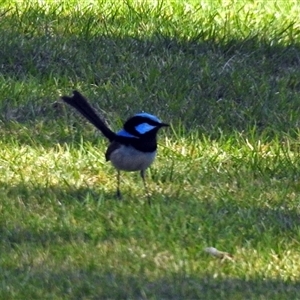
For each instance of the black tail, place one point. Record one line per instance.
(81, 104)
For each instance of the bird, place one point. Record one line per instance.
(133, 148)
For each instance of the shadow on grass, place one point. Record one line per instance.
(94, 283)
(68, 193)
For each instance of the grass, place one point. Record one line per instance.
(225, 74)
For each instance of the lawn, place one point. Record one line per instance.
(225, 75)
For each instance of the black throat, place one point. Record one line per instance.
(145, 143)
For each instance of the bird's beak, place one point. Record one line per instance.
(164, 125)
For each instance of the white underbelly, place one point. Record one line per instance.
(127, 158)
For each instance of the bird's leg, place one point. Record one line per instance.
(119, 195)
(145, 185)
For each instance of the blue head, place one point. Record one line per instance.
(141, 124)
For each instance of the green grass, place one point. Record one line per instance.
(225, 74)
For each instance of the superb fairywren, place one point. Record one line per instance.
(133, 148)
